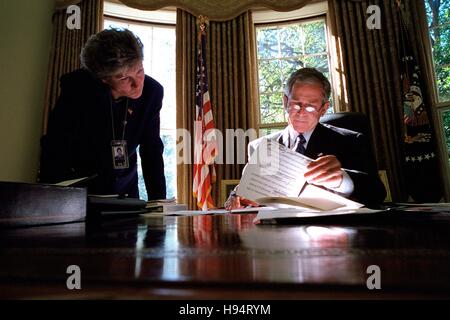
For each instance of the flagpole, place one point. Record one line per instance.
(205, 149)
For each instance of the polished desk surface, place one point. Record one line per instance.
(225, 257)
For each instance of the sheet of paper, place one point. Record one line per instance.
(212, 211)
(273, 170)
(68, 183)
(294, 213)
(325, 200)
(242, 210)
(177, 213)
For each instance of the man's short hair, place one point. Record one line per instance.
(308, 75)
(110, 51)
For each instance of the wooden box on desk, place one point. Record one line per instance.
(27, 204)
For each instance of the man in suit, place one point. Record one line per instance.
(342, 161)
(107, 105)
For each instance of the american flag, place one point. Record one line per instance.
(422, 175)
(205, 145)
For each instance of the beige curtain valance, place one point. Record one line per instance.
(217, 10)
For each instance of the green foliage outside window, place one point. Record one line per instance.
(282, 49)
(438, 15)
(446, 121)
(169, 165)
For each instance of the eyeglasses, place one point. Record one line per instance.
(296, 107)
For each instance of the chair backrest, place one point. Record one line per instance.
(354, 121)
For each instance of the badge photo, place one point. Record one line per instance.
(120, 154)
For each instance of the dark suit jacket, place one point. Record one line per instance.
(78, 141)
(353, 151)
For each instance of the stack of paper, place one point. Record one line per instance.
(164, 206)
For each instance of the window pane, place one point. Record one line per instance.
(291, 41)
(320, 62)
(170, 167)
(443, 83)
(272, 108)
(446, 121)
(315, 41)
(270, 77)
(170, 163)
(268, 43)
(289, 66)
(438, 15)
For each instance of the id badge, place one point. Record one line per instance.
(119, 154)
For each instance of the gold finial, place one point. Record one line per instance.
(202, 22)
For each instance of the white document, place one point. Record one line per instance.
(177, 213)
(273, 170)
(302, 213)
(211, 211)
(274, 177)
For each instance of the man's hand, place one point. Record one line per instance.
(325, 171)
(236, 202)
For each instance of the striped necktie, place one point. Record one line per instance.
(300, 141)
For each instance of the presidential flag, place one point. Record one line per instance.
(421, 163)
(205, 145)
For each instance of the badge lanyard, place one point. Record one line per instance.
(119, 147)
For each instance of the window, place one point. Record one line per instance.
(159, 63)
(283, 48)
(438, 16)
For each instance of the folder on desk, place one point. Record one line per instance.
(104, 206)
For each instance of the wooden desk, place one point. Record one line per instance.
(225, 257)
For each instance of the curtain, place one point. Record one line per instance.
(67, 44)
(231, 59)
(369, 75)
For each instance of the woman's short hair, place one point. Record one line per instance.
(110, 51)
(308, 75)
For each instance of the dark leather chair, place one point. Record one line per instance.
(354, 121)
